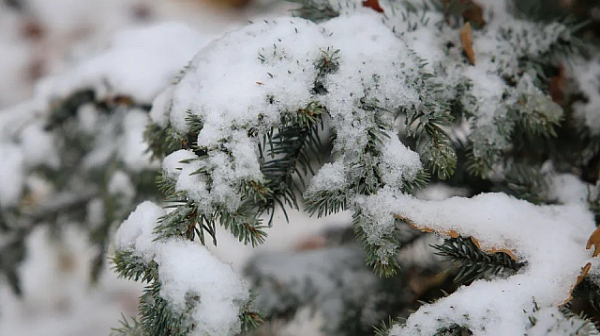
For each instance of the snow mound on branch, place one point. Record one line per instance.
(248, 80)
(549, 239)
(186, 270)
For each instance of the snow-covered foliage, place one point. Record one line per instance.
(354, 107)
(75, 153)
(193, 281)
(541, 236)
(356, 73)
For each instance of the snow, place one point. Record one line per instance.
(398, 163)
(227, 85)
(133, 150)
(586, 75)
(541, 236)
(138, 63)
(172, 164)
(331, 176)
(253, 77)
(120, 184)
(38, 147)
(187, 270)
(567, 189)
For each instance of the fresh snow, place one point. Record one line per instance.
(187, 269)
(252, 77)
(541, 236)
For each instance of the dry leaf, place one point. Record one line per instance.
(373, 4)
(467, 42)
(311, 243)
(584, 272)
(556, 85)
(473, 13)
(594, 240)
(510, 253)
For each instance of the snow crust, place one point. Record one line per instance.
(187, 271)
(543, 237)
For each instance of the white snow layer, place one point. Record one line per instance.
(586, 75)
(251, 77)
(187, 269)
(549, 239)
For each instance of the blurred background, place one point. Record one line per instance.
(61, 295)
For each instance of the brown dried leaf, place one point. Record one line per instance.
(467, 42)
(373, 4)
(594, 240)
(556, 85)
(473, 13)
(584, 272)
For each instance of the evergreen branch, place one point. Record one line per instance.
(250, 318)
(472, 262)
(133, 267)
(381, 257)
(385, 327)
(289, 149)
(427, 125)
(67, 108)
(157, 318)
(164, 141)
(244, 225)
(589, 291)
(128, 328)
(525, 182)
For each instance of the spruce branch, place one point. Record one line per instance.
(381, 256)
(133, 267)
(427, 123)
(474, 263)
(286, 154)
(127, 328)
(156, 316)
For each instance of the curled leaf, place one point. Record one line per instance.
(467, 42)
(373, 4)
(594, 240)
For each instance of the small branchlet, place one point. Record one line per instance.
(381, 256)
(473, 263)
(127, 328)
